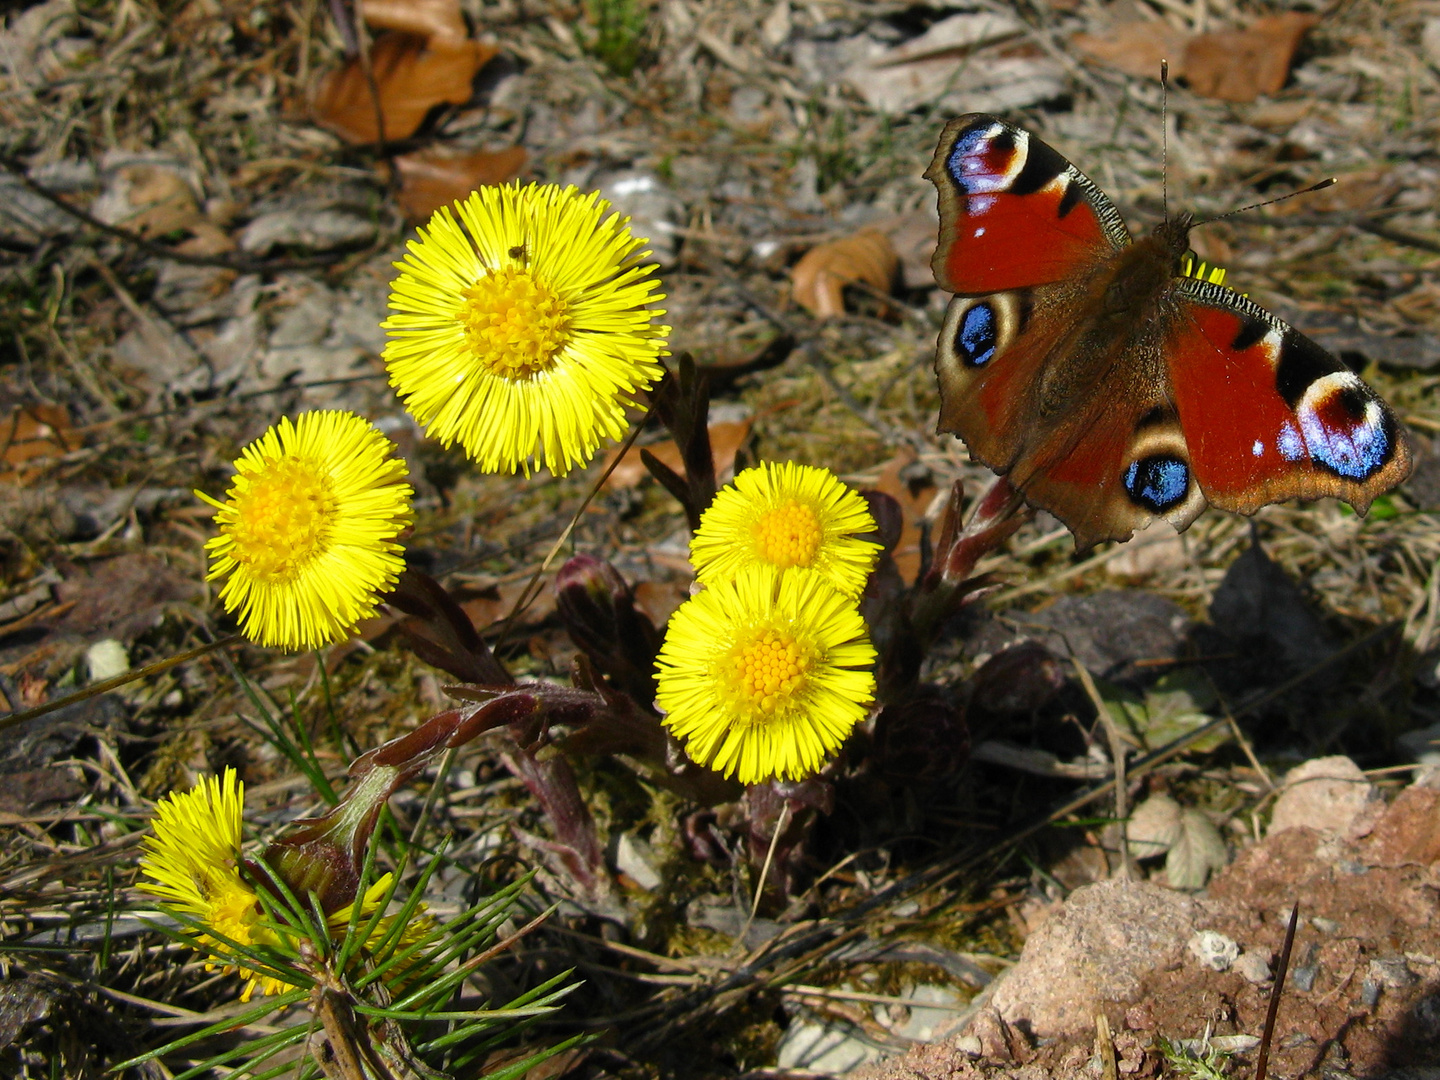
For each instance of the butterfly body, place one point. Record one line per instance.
(1110, 387)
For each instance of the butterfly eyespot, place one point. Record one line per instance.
(1158, 482)
(1344, 428)
(978, 334)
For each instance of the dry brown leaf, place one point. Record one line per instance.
(818, 279)
(1136, 48)
(423, 18)
(914, 500)
(726, 438)
(432, 178)
(412, 76)
(36, 431)
(162, 200)
(1240, 65)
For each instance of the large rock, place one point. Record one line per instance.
(1097, 947)
(1328, 794)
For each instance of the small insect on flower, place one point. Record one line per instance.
(192, 859)
(309, 528)
(520, 324)
(765, 675)
(783, 515)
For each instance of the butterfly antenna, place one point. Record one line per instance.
(1327, 182)
(1165, 137)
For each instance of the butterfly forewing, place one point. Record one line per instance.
(1013, 212)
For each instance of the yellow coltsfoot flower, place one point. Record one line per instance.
(521, 324)
(783, 515)
(764, 675)
(192, 859)
(308, 529)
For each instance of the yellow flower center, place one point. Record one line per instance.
(515, 323)
(232, 906)
(282, 519)
(788, 535)
(769, 669)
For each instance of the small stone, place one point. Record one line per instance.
(1393, 974)
(634, 858)
(106, 659)
(969, 1044)
(1325, 926)
(1214, 950)
(1252, 968)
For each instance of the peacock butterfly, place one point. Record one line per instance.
(1109, 385)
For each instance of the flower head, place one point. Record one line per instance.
(758, 674)
(783, 515)
(192, 859)
(308, 529)
(519, 329)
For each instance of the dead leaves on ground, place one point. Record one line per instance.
(423, 57)
(1230, 65)
(433, 178)
(818, 280)
(412, 76)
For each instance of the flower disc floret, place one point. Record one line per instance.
(787, 515)
(765, 675)
(309, 528)
(521, 324)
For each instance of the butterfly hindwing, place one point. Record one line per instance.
(1013, 212)
(1268, 414)
(1105, 466)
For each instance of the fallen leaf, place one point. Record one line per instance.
(121, 597)
(432, 178)
(915, 497)
(412, 76)
(1154, 827)
(939, 68)
(1136, 48)
(157, 201)
(819, 278)
(1240, 65)
(726, 438)
(36, 431)
(1197, 852)
(423, 18)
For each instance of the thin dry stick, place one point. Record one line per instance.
(118, 681)
(1110, 1069)
(531, 590)
(780, 824)
(1262, 1062)
(1117, 758)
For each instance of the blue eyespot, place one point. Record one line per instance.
(976, 340)
(1158, 482)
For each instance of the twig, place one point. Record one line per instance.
(780, 823)
(1262, 1062)
(239, 264)
(118, 681)
(528, 594)
(1105, 1041)
(1117, 760)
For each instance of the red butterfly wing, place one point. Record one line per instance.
(1013, 212)
(1269, 415)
